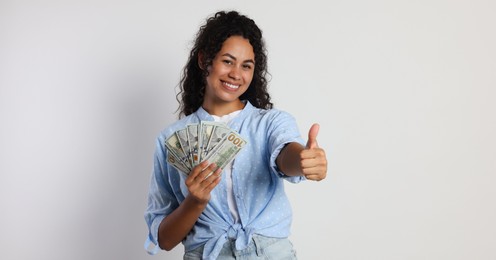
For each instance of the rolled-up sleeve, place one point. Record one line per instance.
(281, 131)
(161, 199)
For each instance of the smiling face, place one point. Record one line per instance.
(229, 76)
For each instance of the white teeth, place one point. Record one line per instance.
(231, 85)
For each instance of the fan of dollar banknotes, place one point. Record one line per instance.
(211, 141)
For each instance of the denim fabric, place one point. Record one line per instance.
(260, 247)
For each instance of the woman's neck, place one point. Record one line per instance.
(223, 109)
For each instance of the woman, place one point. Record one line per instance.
(242, 209)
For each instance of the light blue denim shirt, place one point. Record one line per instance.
(258, 185)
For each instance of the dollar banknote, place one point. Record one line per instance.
(219, 132)
(226, 150)
(174, 161)
(182, 136)
(206, 129)
(212, 133)
(192, 131)
(174, 147)
(211, 141)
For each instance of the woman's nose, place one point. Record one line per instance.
(235, 73)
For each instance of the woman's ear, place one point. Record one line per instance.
(200, 60)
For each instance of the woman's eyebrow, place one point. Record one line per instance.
(234, 58)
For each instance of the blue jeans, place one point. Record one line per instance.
(260, 247)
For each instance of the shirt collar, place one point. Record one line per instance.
(203, 115)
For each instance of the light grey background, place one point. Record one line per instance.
(404, 92)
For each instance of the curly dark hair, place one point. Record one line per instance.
(209, 40)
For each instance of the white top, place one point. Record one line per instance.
(228, 170)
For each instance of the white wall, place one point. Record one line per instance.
(404, 92)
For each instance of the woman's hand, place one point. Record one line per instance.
(313, 158)
(309, 161)
(202, 180)
(176, 226)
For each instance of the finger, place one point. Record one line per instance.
(315, 177)
(208, 182)
(207, 172)
(213, 180)
(314, 162)
(313, 153)
(319, 169)
(197, 170)
(312, 136)
(317, 172)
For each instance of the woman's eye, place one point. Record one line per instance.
(247, 66)
(227, 62)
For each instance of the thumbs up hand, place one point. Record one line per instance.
(312, 136)
(313, 158)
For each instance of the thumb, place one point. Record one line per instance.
(312, 136)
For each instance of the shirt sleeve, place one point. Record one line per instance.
(161, 199)
(282, 130)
